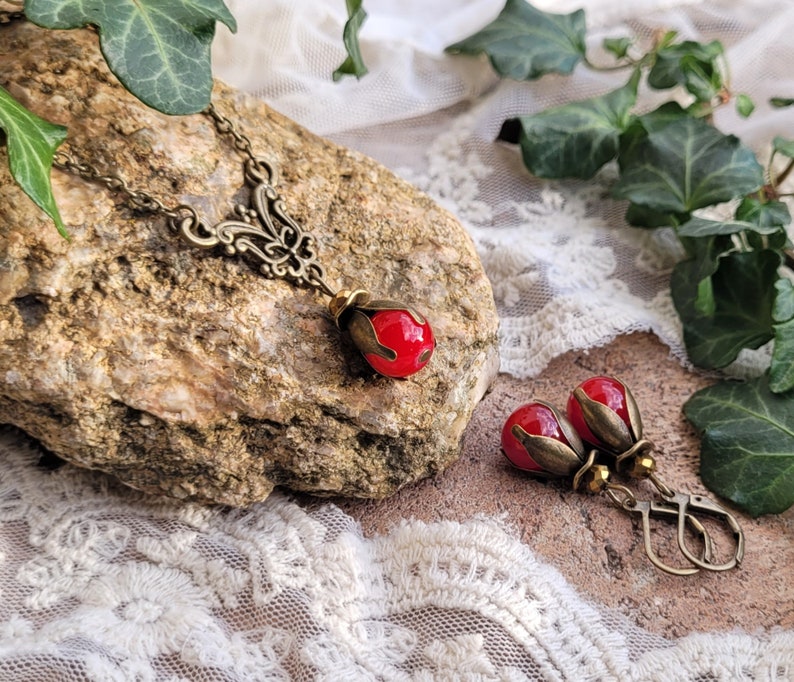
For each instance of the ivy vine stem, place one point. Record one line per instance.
(781, 177)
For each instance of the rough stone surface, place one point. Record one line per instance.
(185, 372)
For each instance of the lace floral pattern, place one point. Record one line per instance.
(103, 583)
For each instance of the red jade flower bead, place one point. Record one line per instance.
(411, 341)
(612, 394)
(558, 451)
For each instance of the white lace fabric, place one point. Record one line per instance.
(103, 583)
(98, 582)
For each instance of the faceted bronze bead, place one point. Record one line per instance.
(596, 478)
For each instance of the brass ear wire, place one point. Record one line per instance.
(596, 478)
(642, 465)
(631, 455)
(707, 506)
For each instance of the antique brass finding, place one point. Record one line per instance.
(539, 439)
(596, 478)
(621, 440)
(263, 231)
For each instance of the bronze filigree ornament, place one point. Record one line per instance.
(395, 340)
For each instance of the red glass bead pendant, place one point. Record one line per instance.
(412, 343)
(538, 439)
(394, 339)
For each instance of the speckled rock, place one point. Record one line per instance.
(186, 372)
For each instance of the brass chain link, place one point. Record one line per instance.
(137, 199)
(143, 200)
(286, 252)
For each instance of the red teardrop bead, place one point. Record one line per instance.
(604, 390)
(411, 341)
(537, 420)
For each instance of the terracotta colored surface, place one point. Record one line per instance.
(597, 547)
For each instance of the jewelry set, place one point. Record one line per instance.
(397, 341)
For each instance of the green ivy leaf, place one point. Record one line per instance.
(691, 279)
(690, 64)
(784, 300)
(525, 43)
(781, 370)
(763, 213)
(744, 106)
(636, 132)
(702, 227)
(160, 51)
(783, 146)
(354, 64)
(642, 216)
(685, 165)
(617, 46)
(575, 140)
(741, 315)
(31, 142)
(772, 215)
(661, 117)
(747, 446)
(781, 102)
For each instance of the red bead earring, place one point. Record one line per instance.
(602, 412)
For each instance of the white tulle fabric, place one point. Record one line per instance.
(98, 582)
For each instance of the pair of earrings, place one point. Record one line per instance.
(602, 412)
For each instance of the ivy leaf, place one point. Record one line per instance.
(691, 279)
(743, 295)
(763, 213)
(690, 64)
(31, 142)
(781, 102)
(685, 165)
(617, 46)
(354, 64)
(772, 215)
(525, 43)
(661, 117)
(575, 140)
(747, 446)
(160, 51)
(784, 300)
(642, 216)
(781, 370)
(744, 106)
(702, 227)
(783, 146)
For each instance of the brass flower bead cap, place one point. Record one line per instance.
(605, 414)
(393, 338)
(539, 439)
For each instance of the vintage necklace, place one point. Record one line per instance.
(395, 339)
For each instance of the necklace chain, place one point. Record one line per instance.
(282, 247)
